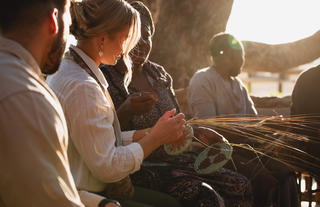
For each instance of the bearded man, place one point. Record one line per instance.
(33, 133)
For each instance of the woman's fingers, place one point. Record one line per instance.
(178, 119)
(179, 123)
(167, 115)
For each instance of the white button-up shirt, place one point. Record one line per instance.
(95, 158)
(33, 136)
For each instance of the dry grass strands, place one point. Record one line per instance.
(286, 140)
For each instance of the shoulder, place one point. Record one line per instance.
(113, 75)
(201, 76)
(18, 77)
(72, 80)
(110, 71)
(310, 75)
(158, 72)
(308, 80)
(306, 93)
(240, 83)
(36, 106)
(307, 84)
(155, 69)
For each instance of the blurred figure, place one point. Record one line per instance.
(216, 90)
(306, 104)
(33, 132)
(101, 156)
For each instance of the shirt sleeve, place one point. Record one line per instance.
(33, 158)
(127, 137)
(201, 99)
(90, 118)
(90, 199)
(250, 108)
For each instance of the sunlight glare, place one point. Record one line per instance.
(71, 41)
(274, 21)
(306, 204)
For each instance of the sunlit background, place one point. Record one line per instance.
(71, 41)
(271, 21)
(274, 21)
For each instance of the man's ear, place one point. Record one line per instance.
(212, 61)
(54, 26)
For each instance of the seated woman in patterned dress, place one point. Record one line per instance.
(139, 106)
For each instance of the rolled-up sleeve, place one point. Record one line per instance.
(250, 108)
(127, 137)
(90, 117)
(90, 199)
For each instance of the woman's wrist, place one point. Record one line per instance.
(139, 134)
(106, 201)
(147, 131)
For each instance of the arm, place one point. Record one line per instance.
(33, 158)
(125, 115)
(91, 117)
(170, 89)
(168, 129)
(93, 200)
(135, 104)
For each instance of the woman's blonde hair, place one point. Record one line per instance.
(91, 18)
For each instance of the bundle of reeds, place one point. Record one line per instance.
(285, 139)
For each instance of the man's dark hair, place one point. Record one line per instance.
(15, 14)
(221, 42)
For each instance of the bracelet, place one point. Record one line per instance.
(147, 132)
(105, 201)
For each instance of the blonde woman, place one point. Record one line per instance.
(99, 152)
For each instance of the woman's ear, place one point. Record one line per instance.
(54, 26)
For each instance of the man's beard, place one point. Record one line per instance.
(54, 57)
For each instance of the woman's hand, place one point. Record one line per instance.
(139, 103)
(168, 128)
(135, 104)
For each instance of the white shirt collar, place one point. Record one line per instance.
(92, 65)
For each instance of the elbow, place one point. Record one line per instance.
(107, 173)
(117, 166)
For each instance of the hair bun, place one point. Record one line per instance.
(79, 23)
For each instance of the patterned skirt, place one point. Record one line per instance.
(175, 176)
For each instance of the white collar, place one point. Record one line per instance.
(92, 65)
